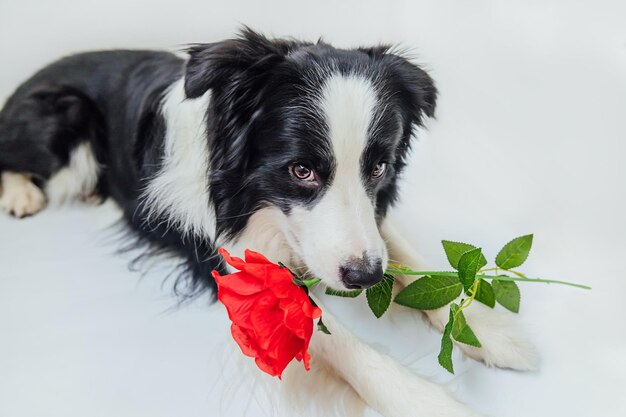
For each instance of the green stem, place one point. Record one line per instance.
(468, 301)
(484, 276)
(524, 279)
(496, 269)
(431, 273)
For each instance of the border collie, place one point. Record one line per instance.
(289, 148)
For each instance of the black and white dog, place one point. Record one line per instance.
(289, 148)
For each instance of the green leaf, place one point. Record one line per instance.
(454, 251)
(445, 354)
(485, 294)
(469, 264)
(507, 294)
(430, 292)
(343, 293)
(514, 253)
(322, 327)
(379, 296)
(310, 282)
(461, 332)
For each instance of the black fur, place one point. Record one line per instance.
(112, 99)
(259, 121)
(261, 89)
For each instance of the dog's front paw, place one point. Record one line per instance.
(20, 197)
(503, 344)
(399, 393)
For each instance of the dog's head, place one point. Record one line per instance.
(318, 134)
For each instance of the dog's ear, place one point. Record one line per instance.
(237, 72)
(239, 63)
(411, 84)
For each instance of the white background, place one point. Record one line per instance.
(530, 137)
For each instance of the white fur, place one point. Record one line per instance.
(382, 382)
(78, 179)
(503, 344)
(318, 392)
(379, 380)
(340, 358)
(179, 192)
(266, 232)
(342, 224)
(338, 227)
(19, 196)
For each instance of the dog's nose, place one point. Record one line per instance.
(361, 274)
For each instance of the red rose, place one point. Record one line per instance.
(272, 316)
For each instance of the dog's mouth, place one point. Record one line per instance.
(343, 261)
(354, 274)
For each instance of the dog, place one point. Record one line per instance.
(290, 148)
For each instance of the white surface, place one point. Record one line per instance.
(530, 137)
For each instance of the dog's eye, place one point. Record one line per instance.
(303, 173)
(379, 170)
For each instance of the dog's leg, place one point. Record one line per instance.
(503, 345)
(382, 382)
(20, 197)
(48, 134)
(78, 179)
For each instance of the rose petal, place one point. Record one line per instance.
(268, 367)
(272, 317)
(280, 281)
(246, 343)
(255, 257)
(307, 359)
(283, 347)
(238, 306)
(293, 318)
(260, 270)
(233, 261)
(239, 282)
(311, 311)
(265, 317)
